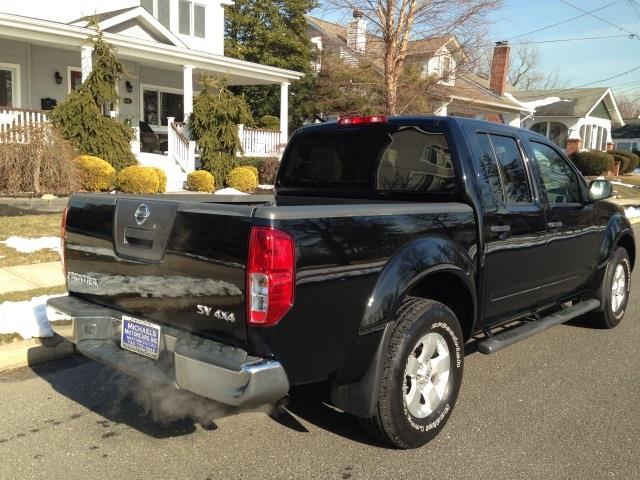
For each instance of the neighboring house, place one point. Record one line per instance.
(456, 93)
(572, 118)
(163, 44)
(627, 137)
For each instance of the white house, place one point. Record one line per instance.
(573, 118)
(164, 46)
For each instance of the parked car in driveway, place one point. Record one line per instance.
(389, 243)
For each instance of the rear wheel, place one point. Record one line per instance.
(421, 376)
(614, 291)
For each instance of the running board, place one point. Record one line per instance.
(502, 340)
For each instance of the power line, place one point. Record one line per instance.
(560, 40)
(601, 19)
(563, 21)
(601, 80)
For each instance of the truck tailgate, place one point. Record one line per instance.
(176, 263)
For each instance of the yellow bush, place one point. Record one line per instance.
(253, 169)
(244, 179)
(200, 181)
(162, 179)
(96, 175)
(137, 179)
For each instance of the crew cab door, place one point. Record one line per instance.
(573, 233)
(514, 225)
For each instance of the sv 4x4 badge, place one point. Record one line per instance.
(219, 314)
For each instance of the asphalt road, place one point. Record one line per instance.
(564, 404)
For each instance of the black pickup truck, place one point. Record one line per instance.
(388, 245)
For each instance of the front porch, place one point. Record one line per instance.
(41, 62)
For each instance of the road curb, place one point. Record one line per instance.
(33, 352)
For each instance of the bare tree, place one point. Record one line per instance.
(629, 105)
(397, 22)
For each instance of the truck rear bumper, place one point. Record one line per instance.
(211, 369)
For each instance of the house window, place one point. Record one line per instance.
(157, 105)
(191, 18)
(74, 76)
(623, 146)
(555, 131)
(9, 85)
(446, 69)
(159, 9)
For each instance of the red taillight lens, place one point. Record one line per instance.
(270, 275)
(63, 239)
(345, 121)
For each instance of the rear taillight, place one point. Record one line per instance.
(270, 275)
(63, 239)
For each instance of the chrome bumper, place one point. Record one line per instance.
(211, 369)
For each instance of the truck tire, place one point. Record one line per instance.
(421, 376)
(614, 291)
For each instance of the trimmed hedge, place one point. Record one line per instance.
(630, 160)
(96, 175)
(162, 179)
(200, 181)
(137, 179)
(592, 162)
(244, 179)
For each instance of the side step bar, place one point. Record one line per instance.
(502, 340)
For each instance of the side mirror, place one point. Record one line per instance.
(600, 189)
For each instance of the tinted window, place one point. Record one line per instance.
(502, 165)
(560, 181)
(384, 158)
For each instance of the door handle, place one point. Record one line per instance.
(554, 224)
(500, 228)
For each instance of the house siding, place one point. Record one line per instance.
(45, 62)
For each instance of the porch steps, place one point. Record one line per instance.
(175, 176)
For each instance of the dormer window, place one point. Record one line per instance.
(191, 19)
(159, 9)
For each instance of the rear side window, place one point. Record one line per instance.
(382, 158)
(503, 166)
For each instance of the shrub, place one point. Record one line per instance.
(162, 179)
(243, 179)
(96, 175)
(200, 181)
(268, 170)
(137, 179)
(592, 162)
(630, 162)
(37, 159)
(269, 122)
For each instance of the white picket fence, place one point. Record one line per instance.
(257, 142)
(15, 123)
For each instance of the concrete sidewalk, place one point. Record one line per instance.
(28, 277)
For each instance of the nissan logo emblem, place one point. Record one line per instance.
(142, 213)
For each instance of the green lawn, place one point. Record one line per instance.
(28, 226)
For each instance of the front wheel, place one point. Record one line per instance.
(614, 291)
(421, 376)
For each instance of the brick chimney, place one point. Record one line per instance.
(357, 32)
(499, 68)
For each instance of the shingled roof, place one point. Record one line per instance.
(631, 129)
(577, 102)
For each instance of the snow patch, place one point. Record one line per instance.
(266, 187)
(535, 103)
(30, 245)
(632, 212)
(27, 318)
(229, 191)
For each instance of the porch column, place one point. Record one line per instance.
(187, 80)
(86, 62)
(284, 112)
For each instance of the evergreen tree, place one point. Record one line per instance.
(273, 33)
(214, 125)
(80, 117)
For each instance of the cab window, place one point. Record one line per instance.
(559, 179)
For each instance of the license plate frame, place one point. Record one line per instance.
(141, 337)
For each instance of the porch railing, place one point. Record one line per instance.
(181, 149)
(257, 142)
(16, 122)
